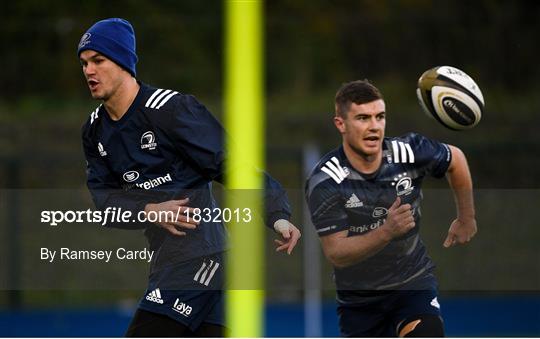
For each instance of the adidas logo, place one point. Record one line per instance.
(353, 202)
(155, 296)
(101, 149)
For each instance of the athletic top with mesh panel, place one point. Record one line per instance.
(342, 199)
(166, 146)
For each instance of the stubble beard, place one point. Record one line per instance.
(363, 154)
(98, 96)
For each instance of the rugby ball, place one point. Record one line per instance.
(451, 97)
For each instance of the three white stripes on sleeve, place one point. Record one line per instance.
(156, 101)
(403, 149)
(334, 170)
(159, 98)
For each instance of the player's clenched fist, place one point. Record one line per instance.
(399, 221)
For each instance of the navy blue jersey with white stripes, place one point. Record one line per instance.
(166, 146)
(340, 198)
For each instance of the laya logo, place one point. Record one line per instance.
(85, 40)
(131, 176)
(379, 212)
(148, 141)
(101, 150)
(182, 308)
(403, 184)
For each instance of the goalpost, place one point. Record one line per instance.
(244, 121)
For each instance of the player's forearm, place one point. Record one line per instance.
(276, 202)
(352, 250)
(459, 178)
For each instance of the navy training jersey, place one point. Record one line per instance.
(342, 199)
(166, 146)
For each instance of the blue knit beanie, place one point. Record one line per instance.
(113, 38)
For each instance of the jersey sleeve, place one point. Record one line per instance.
(325, 205)
(432, 156)
(276, 201)
(199, 137)
(105, 190)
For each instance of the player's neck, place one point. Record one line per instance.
(363, 163)
(118, 104)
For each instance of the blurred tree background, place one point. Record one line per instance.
(312, 47)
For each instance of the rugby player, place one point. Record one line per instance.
(364, 200)
(157, 150)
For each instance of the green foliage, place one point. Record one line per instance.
(311, 48)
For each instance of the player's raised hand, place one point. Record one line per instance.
(289, 233)
(399, 220)
(460, 232)
(171, 215)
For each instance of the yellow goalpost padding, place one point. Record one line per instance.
(244, 122)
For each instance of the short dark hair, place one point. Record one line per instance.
(359, 92)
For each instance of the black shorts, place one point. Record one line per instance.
(191, 293)
(148, 324)
(383, 317)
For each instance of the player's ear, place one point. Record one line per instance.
(340, 124)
